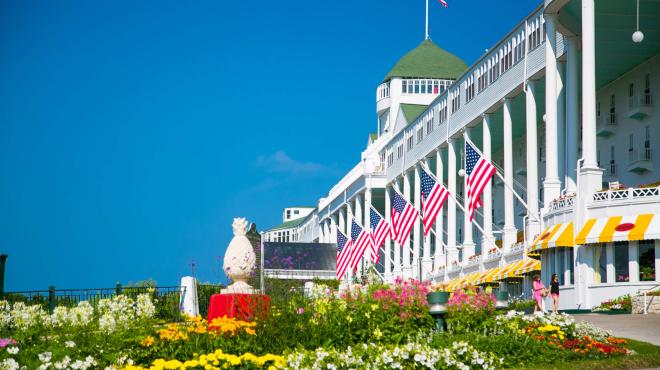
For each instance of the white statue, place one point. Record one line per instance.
(239, 260)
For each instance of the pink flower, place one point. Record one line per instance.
(300, 311)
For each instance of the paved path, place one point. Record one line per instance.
(640, 327)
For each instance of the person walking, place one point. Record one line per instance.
(539, 291)
(554, 292)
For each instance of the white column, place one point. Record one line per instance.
(357, 207)
(328, 231)
(333, 229)
(427, 261)
(367, 222)
(439, 257)
(561, 122)
(533, 225)
(551, 185)
(451, 204)
(417, 234)
(398, 251)
(388, 242)
(347, 231)
(488, 190)
(588, 85)
(407, 267)
(657, 260)
(468, 243)
(509, 230)
(633, 261)
(572, 112)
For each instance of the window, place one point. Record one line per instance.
(399, 151)
(571, 266)
(621, 272)
(435, 87)
(631, 90)
(646, 260)
(410, 86)
(420, 134)
(404, 86)
(288, 213)
(612, 161)
(600, 264)
(612, 109)
(416, 86)
(647, 89)
(631, 143)
(598, 109)
(390, 159)
(410, 142)
(423, 86)
(429, 125)
(598, 157)
(296, 212)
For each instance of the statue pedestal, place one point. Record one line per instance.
(238, 305)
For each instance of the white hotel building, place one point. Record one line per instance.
(564, 106)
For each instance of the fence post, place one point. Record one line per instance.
(51, 298)
(118, 289)
(3, 261)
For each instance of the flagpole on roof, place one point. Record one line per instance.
(426, 34)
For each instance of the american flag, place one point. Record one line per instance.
(361, 241)
(343, 253)
(479, 171)
(434, 195)
(380, 230)
(444, 3)
(404, 216)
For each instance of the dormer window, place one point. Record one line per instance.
(404, 86)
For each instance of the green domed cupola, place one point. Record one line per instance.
(428, 61)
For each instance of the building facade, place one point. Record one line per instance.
(563, 106)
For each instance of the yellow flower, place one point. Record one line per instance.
(147, 342)
(374, 307)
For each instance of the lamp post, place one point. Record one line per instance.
(501, 300)
(437, 302)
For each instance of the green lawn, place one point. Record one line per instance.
(647, 356)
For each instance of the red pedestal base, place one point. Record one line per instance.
(240, 306)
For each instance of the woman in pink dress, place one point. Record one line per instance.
(538, 292)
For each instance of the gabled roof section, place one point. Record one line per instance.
(289, 224)
(427, 60)
(412, 111)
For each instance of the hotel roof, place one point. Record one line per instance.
(427, 60)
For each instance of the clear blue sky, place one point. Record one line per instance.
(132, 132)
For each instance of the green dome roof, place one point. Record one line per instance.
(428, 60)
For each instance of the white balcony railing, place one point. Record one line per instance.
(624, 195)
(562, 203)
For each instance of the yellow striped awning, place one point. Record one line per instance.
(451, 284)
(619, 228)
(487, 276)
(468, 280)
(530, 265)
(508, 270)
(559, 235)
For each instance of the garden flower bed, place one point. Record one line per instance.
(364, 326)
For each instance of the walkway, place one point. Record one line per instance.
(640, 327)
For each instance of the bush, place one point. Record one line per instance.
(623, 303)
(469, 311)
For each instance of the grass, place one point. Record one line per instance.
(647, 356)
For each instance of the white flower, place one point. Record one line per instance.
(45, 357)
(9, 364)
(70, 344)
(12, 350)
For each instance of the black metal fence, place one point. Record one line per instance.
(166, 299)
